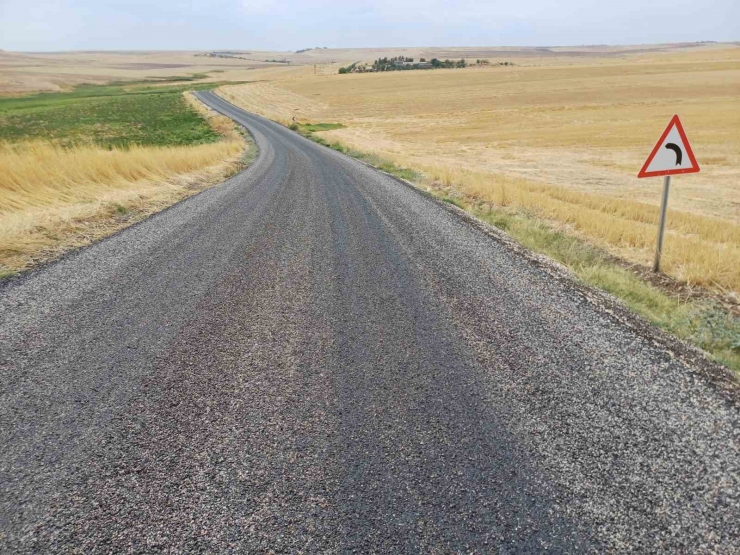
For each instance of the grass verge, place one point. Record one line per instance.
(308, 130)
(703, 323)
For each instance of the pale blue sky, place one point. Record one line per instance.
(33, 25)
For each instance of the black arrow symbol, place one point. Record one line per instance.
(677, 149)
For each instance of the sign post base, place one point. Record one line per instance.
(661, 224)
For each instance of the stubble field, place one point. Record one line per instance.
(561, 136)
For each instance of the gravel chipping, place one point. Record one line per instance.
(316, 358)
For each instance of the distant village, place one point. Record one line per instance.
(401, 63)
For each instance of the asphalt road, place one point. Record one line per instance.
(314, 357)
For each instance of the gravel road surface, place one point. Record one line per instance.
(314, 357)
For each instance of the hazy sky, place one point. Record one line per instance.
(290, 24)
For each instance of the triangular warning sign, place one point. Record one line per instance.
(672, 154)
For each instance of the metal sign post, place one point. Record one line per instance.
(671, 155)
(661, 224)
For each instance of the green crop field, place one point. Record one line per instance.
(116, 115)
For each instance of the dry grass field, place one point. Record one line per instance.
(24, 72)
(53, 198)
(561, 134)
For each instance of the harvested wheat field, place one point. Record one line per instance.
(560, 135)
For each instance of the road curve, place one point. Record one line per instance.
(314, 357)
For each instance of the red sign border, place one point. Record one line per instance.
(690, 153)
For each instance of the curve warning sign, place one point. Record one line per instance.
(672, 154)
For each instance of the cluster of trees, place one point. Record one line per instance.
(486, 62)
(348, 69)
(233, 55)
(449, 63)
(400, 63)
(390, 64)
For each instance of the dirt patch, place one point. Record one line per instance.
(730, 300)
